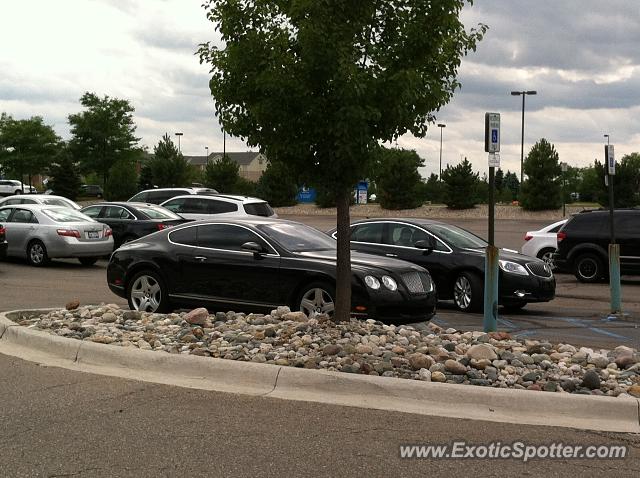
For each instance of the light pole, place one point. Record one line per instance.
(178, 135)
(523, 93)
(441, 126)
(206, 149)
(607, 136)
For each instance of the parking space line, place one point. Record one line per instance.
(596, 329)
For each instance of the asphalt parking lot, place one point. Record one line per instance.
(578, 315)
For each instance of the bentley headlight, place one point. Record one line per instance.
(372, 282)
(389, 283)
(513, 268)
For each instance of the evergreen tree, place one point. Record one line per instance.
(64, 176)
(277, 185)
(460, 186)
(398, 180)
(512, 183)
(222, 175)
(626, 182)
(542, 189)
(168, 167)
(433, 190)
(499, 180)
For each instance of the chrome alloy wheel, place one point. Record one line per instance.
(146, 294)
(317, 301)
(36, 253)
(462, 292)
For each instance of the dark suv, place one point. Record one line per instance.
(584, 240)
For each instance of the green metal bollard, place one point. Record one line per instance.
(491, 289)
(614, 278)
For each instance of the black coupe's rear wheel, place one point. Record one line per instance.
(146, 292)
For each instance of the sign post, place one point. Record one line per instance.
(564, 167)
(614, 249)
(491, 146)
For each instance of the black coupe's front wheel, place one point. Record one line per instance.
(146, 292)
(468, 295)
(316, 299)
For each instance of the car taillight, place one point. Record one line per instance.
(561, 236)
(108, 232)
(69, 233)
(3, 231)
(163, 226)
(528, 237)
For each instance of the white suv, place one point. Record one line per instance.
(204, 207)
(11, 186)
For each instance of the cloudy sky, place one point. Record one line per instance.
(581, 56)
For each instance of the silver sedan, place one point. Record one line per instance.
(39, 232)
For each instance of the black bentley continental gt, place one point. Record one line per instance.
(257, 264)
(455, 259)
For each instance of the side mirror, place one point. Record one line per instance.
(428, 245)
(253, 247)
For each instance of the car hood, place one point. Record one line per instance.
(364, 262)
(505, 254)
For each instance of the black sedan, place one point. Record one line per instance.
(455, 258)
(130, 221)
(259, 263)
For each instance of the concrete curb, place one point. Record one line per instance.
(289, 383)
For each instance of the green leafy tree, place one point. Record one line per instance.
(542, 189)
(277, 185)
(244, 187)
(398, 180)
(122, 182)
(482, 189)
(222, 175)
(168, 166)
(145, 180)
(318, 83)
(64, 175)
(103, 134)
(591, 184)
(461, 185)
(27, 146)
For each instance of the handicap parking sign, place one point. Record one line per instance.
(494, 135)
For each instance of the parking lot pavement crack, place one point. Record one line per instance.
(275, 384)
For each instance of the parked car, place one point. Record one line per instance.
(542, 243)
(92, 190)
(130, 221)
(48, 199)
(197, 207)
(584, 240)
(39, 232)
(158, 196)
(258, 264)
(455, 258)
(3, 242)
(11, 186)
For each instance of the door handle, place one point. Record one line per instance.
(391, 255)
(200, 258)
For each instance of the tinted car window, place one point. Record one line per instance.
(140, 197)
(220, 207)
(92, 211)
(113, 212)
(368, 233)
(186, 236)
(298, 237)
(195, 206)
(258, 209)
(157, 197)
(224, 236)
(556, 229)
(587, 223)
(157, 212)
(175, 205)
(13, 201)
(627, 223)
(23, 216)
(457, 236)
(407, 235)
(4, 214)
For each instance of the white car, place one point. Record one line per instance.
(543, 243)
(39, 232)
(204, 207)
(11, 186)
(48, 199)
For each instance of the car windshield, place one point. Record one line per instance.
(298, 237)
(457, 236)
(157, 212)
(66, 215)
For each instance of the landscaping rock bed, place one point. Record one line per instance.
(367, 347)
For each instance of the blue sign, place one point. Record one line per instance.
(494, 135)
(306, 195)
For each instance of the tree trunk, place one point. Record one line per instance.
(343, 273)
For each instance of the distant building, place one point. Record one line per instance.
(252, 164)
